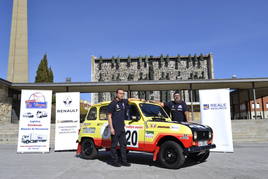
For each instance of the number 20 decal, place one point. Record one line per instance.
(132, 138)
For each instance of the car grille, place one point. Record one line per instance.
(202, 135)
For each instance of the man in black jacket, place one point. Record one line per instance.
(117, 114)
(178, 108)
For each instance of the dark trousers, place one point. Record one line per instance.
(121, 138)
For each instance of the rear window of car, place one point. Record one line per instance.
(103, 113)
(92, 114)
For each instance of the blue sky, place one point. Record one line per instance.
(236, 32)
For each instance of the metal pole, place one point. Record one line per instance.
(128, 92)
(233, 106)
(246, 105)
(249, 103)
(254, 97)
(238, 100)
(192, 107)
(263, 115)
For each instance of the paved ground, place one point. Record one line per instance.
(248, 161)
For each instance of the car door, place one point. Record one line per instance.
(89, 125)
(134, 126)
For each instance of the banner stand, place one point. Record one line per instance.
(34, 124)
(67, 122)
(215, 112)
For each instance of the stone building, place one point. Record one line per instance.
(5, 102)
(151, 68)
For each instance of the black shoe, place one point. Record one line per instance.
(126, 164)
(115, 164)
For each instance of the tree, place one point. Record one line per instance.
(51, 75)
(43, 73)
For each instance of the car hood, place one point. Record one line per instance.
(196, 126)
(192, 126)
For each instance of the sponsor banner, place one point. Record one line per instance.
(215, 112)
(35, 117)
(67, 120)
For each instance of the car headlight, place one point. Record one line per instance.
(210, 135)
(195, 135)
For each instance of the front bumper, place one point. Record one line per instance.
(199, 149)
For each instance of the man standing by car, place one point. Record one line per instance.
(117, 114)
(178, 108)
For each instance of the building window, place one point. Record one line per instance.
(257, 106)
(243, 107)
(267, 105)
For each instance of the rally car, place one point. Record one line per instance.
(148, 129)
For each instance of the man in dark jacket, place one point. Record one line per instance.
(178, 108)
(117, 114)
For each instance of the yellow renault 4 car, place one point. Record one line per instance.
(148, 129)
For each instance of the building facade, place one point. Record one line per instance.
(5, 102)
(247, 111)
(151, 68)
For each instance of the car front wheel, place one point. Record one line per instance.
(171, 155)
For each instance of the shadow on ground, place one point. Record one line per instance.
(139, 158)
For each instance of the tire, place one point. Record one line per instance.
(199, 157)
(171, 155)
(88, 150)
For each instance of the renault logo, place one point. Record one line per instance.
(67, 101)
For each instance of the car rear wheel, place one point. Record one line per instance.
(199, 157)
(89, 150)
(171, 155)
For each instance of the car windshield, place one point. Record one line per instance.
(151, 110)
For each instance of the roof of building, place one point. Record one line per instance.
(5, 82)
(152, 57)
(150, 85)
(241, 86)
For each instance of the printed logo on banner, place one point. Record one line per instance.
(215, 106)
(36, 100)
(206, 106)
(67, 101)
